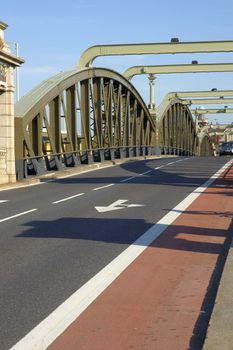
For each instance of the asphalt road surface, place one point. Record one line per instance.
(57, 235)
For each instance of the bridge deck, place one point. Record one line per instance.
(162, 297)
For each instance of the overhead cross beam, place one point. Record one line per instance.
(211, 110)
(177, 69)
(212, 93)
(199, 101)
(93, 52)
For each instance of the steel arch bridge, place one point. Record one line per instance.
(95, 114)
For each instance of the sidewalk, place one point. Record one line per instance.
(220, 331)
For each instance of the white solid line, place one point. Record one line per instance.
(52, 326)
(3, 200)
(16, 215)
(68, 198)
(100, 188)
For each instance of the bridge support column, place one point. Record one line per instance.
(7, 135)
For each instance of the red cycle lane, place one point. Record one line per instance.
(157, 302)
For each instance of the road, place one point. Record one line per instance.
(54, 237)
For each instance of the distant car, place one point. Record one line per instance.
(226, 148)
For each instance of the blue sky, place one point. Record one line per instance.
(53, 34)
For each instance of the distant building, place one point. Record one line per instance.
(220, 133)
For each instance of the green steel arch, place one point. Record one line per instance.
(176, 128)
(205, 145)
(79, 116)
(95, 114)
(177, 132)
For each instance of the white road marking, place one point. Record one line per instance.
(129, 178)
(68, 198)
(3, 200)
(159, 167)
(117, 205)
(146, 172)
(133, 177)
(100, 188)
(16, 215)
(177, 161)
(52, 326)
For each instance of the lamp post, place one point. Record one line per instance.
(152, 91)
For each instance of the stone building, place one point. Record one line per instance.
(8, 62)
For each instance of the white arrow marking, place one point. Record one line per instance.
(117, 205)
(2, 200)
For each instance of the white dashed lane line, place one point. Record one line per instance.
(146, 172)
(68, 198)
(128, 178)
(133, 177)
(17, 215)
(102, 187)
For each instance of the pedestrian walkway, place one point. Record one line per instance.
(164, 299)
(220, 332)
